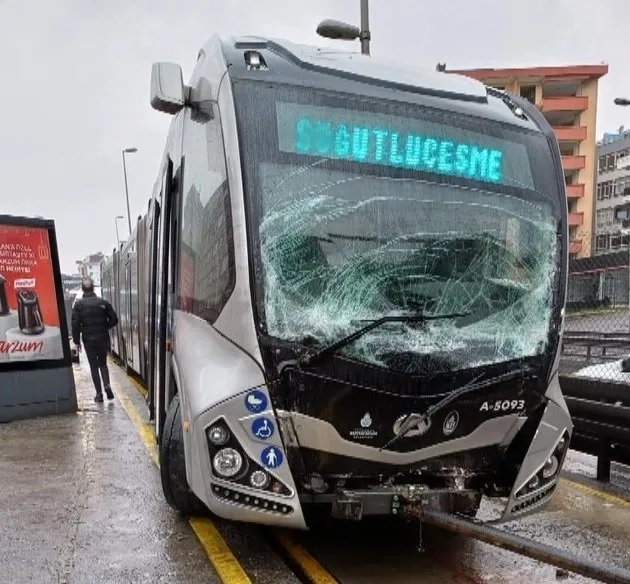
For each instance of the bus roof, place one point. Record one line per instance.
(352, 65)
(277, 61)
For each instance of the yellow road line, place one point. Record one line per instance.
(133, 380)
(218, 552)
(141, 389)
(216, 548)
(311, 568)
(608, 497)
(220, 555)
(144, 429)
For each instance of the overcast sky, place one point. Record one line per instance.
(75, 80)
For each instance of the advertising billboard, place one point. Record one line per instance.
(30, 322)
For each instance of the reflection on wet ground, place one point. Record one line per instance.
(578, 519)
(81, 502)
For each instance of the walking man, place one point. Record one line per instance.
(92, 317)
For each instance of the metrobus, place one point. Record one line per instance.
(347, 291)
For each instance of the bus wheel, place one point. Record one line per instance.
(173, 466)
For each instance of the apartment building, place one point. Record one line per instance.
(567, 97)
(612, 196)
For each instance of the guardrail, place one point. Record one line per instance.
(601, 416)
(594, 340)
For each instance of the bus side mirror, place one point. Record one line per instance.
(167, 88)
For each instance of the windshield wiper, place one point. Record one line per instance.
(413, 420)
(372, 324)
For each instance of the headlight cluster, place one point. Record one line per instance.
(229, 462)
(549, 471)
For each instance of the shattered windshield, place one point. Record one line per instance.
(341, 243)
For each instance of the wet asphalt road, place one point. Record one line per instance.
(578, 519)
(616, 321)
(81, 502)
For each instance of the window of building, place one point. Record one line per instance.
(529, 92)
(601, 243)
(615, 242)
(599, 219)
(622, 186)
(606, 163)
(207, 262)
(604, 190)
(621, 154)
(603, 218)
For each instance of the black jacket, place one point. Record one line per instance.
(92, 317)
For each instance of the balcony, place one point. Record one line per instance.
(575, 246)
(565, 104)
(570, 133)
(573, 162)
(576, 219)
(575, 191)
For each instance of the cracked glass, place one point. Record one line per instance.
(341, 243)
(339, 248)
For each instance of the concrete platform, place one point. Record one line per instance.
(81, 502)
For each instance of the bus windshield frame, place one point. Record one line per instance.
(325, 257)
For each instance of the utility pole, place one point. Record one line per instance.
(117, 235)
(127, 151)
(365, 28)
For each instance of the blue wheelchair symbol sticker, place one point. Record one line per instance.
(256, 401)
(262, 428)
(271, 457)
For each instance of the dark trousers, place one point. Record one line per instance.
(97, 358)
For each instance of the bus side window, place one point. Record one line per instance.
(207, 263)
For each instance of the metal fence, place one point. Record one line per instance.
(597, 324)
(595, 364)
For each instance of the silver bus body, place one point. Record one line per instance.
(263, 424)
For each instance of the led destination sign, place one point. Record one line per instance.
(400, 142)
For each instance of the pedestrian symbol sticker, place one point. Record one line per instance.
(271, 457)
(256, 401)
(262, 428)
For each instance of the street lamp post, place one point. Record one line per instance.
(365, 28)
(127, 151)
(334, 29)
(116, 223)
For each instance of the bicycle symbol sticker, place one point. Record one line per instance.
(271, 457)
(262, 428)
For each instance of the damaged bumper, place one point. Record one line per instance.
(355, 504)
(539, 473)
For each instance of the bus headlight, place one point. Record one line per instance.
(218, 435)
(551, 467)
(259, 479)
(227, 462)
